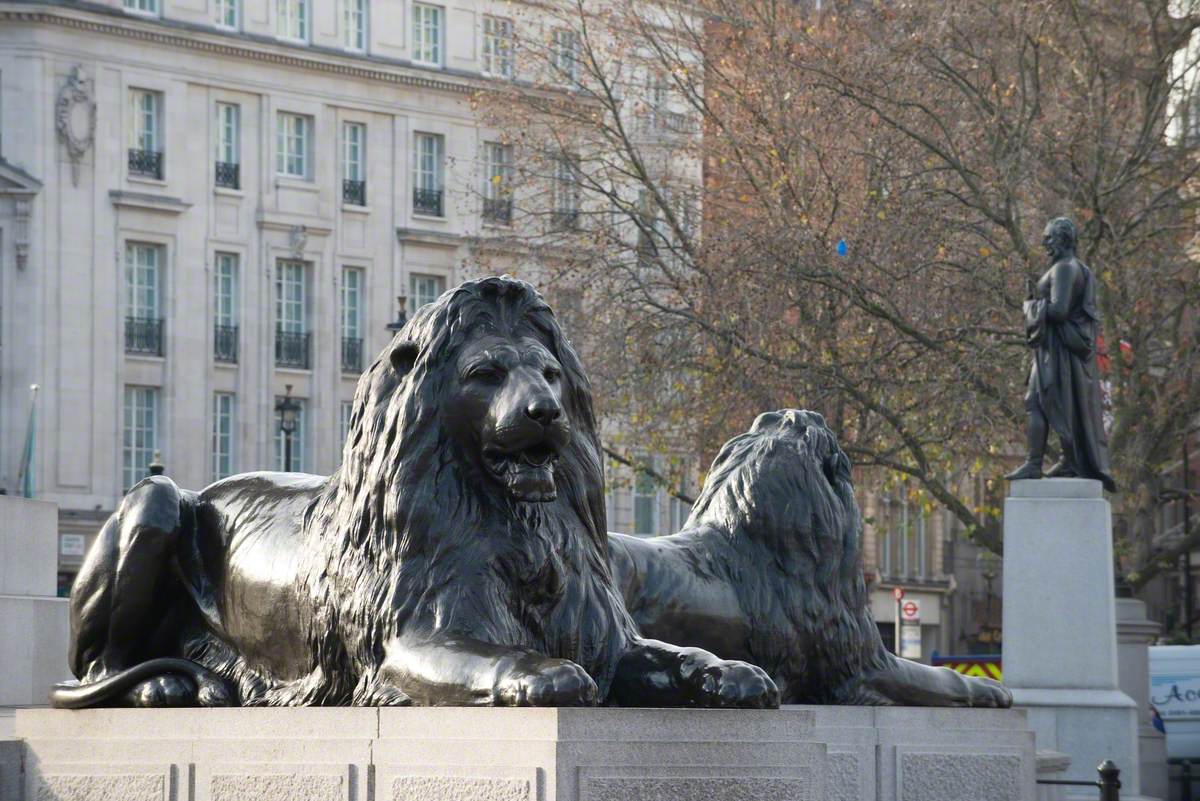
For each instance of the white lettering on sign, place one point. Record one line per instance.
(910, 610)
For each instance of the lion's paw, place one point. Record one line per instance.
(729, 684)
(990, 694)
(163, 691)
(555, 682)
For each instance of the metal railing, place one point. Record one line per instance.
(427, 201)
(228, 174)
(352, 354)
(497, 210)
(354, 192)
(146, 162)
(225, 343)
(1109, 782)
(291, 349)
(144, 335)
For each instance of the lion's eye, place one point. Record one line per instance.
(552, 373)
(489, 373)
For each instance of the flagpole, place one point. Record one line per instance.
(25, 475)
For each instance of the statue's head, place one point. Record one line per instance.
(1059, 238)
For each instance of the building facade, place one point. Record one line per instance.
(208, 205)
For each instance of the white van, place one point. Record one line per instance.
(1175, 693)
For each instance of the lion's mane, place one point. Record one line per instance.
(407, 535)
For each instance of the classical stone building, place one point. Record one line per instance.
(208, 204)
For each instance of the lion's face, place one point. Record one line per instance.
(506, 411)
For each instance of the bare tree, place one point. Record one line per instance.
(855, 229)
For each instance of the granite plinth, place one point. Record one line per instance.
(1060, 637)
(458, 754)
(33, 621)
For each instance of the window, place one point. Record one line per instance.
(140, 433)
(225, 292)
(142, 6)
(645, 500)
(145, 147)
(565, 214)
(293, 20)
(356, 24)
(293, 144)
(345, 412)
(352, 328)
(291, 306)
(143, 295)
(680, 510)
(427, 174)
(354, 155)
(498, 46)
(222, 435)
(298, 460)
(497, 183)
(228, 13)
(427, 34)
(564, 54)
(228, 141)
(904, 540)
(423, 289)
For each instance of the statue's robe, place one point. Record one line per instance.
(1061, 325)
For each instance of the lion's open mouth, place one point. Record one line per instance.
(528, 473)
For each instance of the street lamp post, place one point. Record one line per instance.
(288, 410)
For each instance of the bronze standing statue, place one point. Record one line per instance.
(1061, 324)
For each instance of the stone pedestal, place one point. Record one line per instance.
(460, 754)
(33, 621)
(1060, 640)
(1135, 634)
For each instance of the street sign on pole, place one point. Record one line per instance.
(897, 593)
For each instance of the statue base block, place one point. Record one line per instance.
(459, 754)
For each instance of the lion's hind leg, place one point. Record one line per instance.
(905, 683)
(166, 682)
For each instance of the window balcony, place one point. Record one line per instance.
(291, 349)
(225, 343)
(228, 175)
(497, 210)
(427, 201)
(354, 192)
(146, 163)
(144, 335)
(352, 354)
(564, 220)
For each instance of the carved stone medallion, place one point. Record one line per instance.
(75, 118)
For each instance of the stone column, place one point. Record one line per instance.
(1135, 634)
(1060, 638)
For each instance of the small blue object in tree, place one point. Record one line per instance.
(842, 249)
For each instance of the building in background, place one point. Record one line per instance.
(206, 206)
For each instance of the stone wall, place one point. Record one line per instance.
(467, 754)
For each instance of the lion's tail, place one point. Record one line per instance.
(211, 689)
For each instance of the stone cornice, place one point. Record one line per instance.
(95, 18)
(150, 202)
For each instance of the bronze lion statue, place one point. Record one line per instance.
(458, 555)
(768, 568)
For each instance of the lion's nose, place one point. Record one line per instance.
(544, 410)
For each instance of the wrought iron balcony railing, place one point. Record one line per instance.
(427, 201)
(352, 354)
(144, 335)
(229, 175)
(291, 349)
(354, 192)
(148, 163)
(225, 343)
(497, 210)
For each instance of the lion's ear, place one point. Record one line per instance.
(404, 356)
